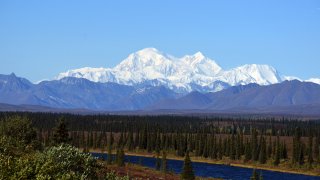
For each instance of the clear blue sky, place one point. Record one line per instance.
(39, 39)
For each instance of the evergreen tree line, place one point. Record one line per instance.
(170, 124)
(249, 148)
(250, 140)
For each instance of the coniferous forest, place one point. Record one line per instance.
(272, 142)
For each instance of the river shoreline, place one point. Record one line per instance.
(201, 160)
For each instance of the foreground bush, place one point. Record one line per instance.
(61, 162)
(18, 128)
(65, 161)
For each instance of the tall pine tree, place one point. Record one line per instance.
(120, 157)
(164, 162)
(263, 151)
(277, 154)
(187, 171)
(61, 134)
(310, 150)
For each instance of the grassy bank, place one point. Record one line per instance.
(139, 172)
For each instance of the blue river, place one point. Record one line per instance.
(212, 170)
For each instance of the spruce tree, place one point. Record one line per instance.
(164, 162)
(158, 143)
(144, 138)
(261, 176)
(94, 142)
(248, 151)
(109, 157)
(310, 151)
(61, 134)
(254, 145)
(316, 148)
(88, 140)
(111, 140)
(205, 149)
(91, 140)
(137, 139)
(232, 148)
(20, 129)
(220, 149)
(121, 140)
(238, 147)
(130, 143)
(120, 157)
(263, 152)
(296, 149)
(228, 151)
(269, 149)
(255, 175)
(158, 162)
(274, 149)
(214, 148)
(277, 154)
(187, 171)
(301, 154)
(105, 139)
(285, 151)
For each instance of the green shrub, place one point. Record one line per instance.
(61, 162)
(66, 162)
(19, 128)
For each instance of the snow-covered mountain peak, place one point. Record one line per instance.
(252, 73)
(201, 64)
(144, 58)
(193, 59)
(149, 66)
(92, 74)
(149, 52)
(198, 55)
(149, 55)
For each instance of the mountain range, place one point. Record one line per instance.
(79, 93)
(251, 96)
(149, 80)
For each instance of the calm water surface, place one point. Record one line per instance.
(213, 170)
